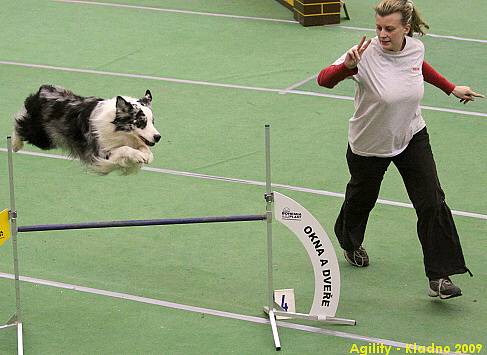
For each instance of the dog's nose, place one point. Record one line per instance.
(157, 138)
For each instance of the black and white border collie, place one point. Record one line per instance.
(106, 135)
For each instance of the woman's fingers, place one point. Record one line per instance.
(362, 49)
(350, 54)
(465, 94)
(469, 96)
(354, 54)
(361, 43)
(475, 94)
(352, 58)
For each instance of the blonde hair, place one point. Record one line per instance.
(410, 15)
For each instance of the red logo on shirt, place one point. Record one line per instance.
(415, 69)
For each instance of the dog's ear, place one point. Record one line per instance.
(147, 99)
(123, 105)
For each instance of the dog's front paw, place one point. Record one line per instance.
(137, 158)
(17, 142)
(150, 157)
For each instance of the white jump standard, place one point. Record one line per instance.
(285, 210)
(16, 319)
(320, 251)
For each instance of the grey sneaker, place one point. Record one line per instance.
(358, 257)
(444, 288)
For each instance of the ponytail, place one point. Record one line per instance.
(417, 23)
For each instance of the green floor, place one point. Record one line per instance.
(219, 131)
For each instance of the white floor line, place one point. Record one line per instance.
(451, 110)
(148, 8)
(136, 76)
(320, 94)
(296, 85)
(186, 12)
(455, 38)
(255, 183)
(212, 312)
(206, 83)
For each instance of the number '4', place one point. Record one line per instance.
(284, 304)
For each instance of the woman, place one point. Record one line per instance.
(386, 127)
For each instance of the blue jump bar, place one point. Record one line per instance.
(140, 222)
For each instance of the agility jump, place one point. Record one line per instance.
(285, 210)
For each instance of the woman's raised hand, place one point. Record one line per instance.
(465, 94)
(355, 53)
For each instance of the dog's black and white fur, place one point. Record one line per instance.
(106, 135)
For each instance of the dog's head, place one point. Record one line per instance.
(135, 118)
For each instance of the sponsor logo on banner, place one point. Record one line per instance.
(289, 215)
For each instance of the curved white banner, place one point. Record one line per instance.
(320, 251)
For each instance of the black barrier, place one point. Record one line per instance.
(141, 222)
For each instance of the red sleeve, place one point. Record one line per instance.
(332, 75)
(431, 76)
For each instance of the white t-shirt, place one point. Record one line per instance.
(389, 89)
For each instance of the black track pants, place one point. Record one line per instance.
(439, 239)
